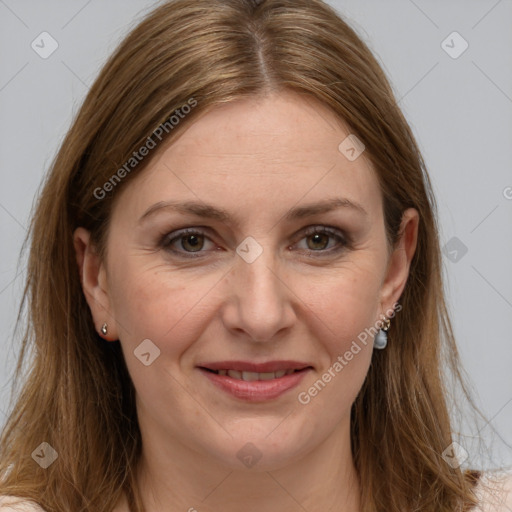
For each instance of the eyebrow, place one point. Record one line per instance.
(209, 211)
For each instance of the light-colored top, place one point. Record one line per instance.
(494, 492)
(497, 498)
(14, 504)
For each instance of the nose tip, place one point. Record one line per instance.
(260, 305)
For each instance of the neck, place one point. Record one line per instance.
(180, 479)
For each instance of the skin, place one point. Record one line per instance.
(300, 300)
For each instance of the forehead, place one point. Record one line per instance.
(259, 152)
(281, 124)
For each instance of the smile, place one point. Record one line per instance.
(255, 386)
(252, 376)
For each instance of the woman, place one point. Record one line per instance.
(236, 220)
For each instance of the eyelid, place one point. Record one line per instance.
(321, 228)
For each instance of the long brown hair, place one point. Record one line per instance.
(78, 396)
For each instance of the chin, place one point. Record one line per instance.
(266, 446)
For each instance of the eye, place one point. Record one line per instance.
(186, 241)
(190, 242)
(318, 239)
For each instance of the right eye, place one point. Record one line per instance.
(187, 241)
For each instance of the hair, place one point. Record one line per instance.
(77, 394)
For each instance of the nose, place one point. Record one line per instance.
(260, 301)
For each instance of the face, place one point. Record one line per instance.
(272, 259)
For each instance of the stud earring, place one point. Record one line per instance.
(381, 339)
(104, 329)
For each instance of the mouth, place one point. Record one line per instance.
(255, 382)
(253, 376)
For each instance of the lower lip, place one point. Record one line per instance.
(256, 390)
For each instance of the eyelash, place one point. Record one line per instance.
(343, 240)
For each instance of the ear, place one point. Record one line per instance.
(400, 261)
(93, 278)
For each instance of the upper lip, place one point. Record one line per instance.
(248, 366)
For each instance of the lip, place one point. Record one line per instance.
(256, 390)
(249, 366)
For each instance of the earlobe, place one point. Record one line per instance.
(400, 260)
(92, 278)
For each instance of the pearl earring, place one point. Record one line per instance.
(104, 329)
(381, 339)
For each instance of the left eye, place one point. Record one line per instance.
(193, 241)
(319, 238)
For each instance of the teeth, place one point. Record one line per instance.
(252, 376)
(235, 374)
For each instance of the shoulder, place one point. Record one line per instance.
(494, 492)
(15, 504)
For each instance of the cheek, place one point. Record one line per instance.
(158, 304)
(345, 316)
(343, 309)
(170, 311)
(346, 301)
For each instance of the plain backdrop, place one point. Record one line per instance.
(454, 89)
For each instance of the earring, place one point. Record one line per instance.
(104, 329)
(381, 339)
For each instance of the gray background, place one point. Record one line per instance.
(460, 110)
